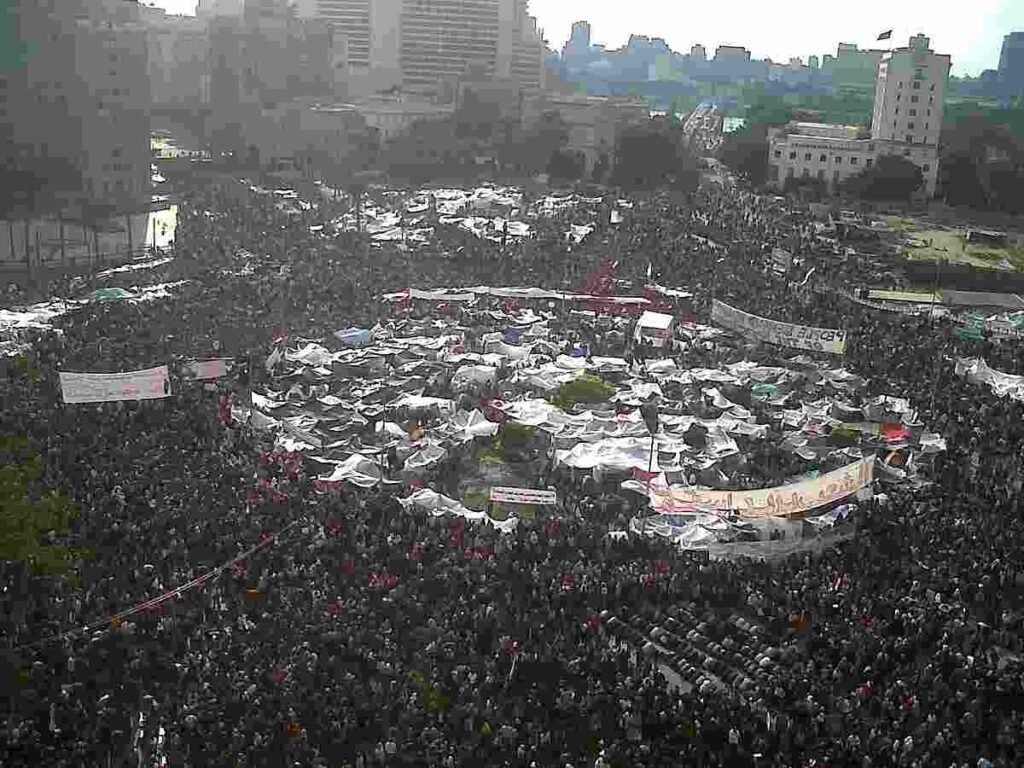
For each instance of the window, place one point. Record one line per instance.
(932, 87)
(926, 126)
(839, 159)
(807, 172)
(899, 83)
(897, 110)
(913, 99)
(917, 85)
(910, 126)
(854, 161)
(869, 162)
(871, 148)
(835, 176)
(823, 159)
(792, 155)
(807, 156)
(913, 113)
(910, 140)
(789, 172)
(898, 97)
(821, 173)
(115, 152)
(927, 167)
(778, 153)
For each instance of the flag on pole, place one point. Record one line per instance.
(885, 35)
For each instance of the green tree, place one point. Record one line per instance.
(29, 517)
(891, 178)
(745, 152)
(653, 156)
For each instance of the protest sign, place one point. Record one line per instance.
(203, 370)
(523, 496)
(783, 334)
(782, 501)
(150, 384)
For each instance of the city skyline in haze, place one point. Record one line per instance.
(800, 28)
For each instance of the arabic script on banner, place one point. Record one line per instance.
(782, 501)
(150, 384)
(523, 496)
(783, 334)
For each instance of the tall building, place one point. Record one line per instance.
(579, 40)
(178, 49)
(82, 95)
(440, 39)
(521, 49)
(909, 93)
(813, 62)
(1011, 63)
(907, 120)
(698, 52)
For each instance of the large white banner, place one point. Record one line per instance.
(774, 332)
(782, 501)
(523, 496)
(150, 384)
(204, 370)
(1002, 384)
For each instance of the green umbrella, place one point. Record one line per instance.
(110, 294)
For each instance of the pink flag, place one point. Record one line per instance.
(279, 676)
(552, 526)
(334, 607)
(238, 567)
(416, 553)
(266, 539)
(568, 581)
(594, 621)
(647, 580)
(511, 648)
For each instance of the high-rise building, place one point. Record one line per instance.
(909, 93)
(178, 48)
(698, 52)
(521, 49)
(1011, 64)
(441, 39)
(579, 39)
(813, 62)
(82, 95)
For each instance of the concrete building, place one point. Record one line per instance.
(83, 95)
(178, 49)
(521, 50)
(813, 62)
(698, 52)
(442, 38)
(852, 70)
(579, 40)
(209, 9)
(909, 94)
(1011, 64)
(907, 121)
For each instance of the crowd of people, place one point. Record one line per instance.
(355, 632)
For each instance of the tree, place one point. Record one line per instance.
(892, 177)
(653, 156)
(746, 152)
(30, 517)
(566, 165)
(539, 143)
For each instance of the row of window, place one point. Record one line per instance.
(838, 160)
(914, 99)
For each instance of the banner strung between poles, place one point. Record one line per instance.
(774, 332)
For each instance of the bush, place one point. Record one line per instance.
(585, 389)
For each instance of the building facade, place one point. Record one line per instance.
(178, 49)
(907, 120)
(83, 96)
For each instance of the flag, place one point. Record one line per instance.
(279, 676)
(885, 35)
(334, 607)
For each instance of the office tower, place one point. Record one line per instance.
(1011, 64)
(909, 92)
(698, 52)
(441, 39)
(82, 95)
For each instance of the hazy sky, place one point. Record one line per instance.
(971, 33)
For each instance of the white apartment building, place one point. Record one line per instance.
(907, 120)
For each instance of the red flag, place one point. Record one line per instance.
(278, 497)
(238, 567)
(647, 580)
(511, 648)
(552, 525)
(568, 581)
(894, 432)
(867, 621)
(279, 676)
(594, 621)
(333, 607)
(266, 539)
(263, 484)
(643, 475)
(280, 334)
(253, 497)
(416, 553)
(348, 567)
(866, 690)
(908, 703)
(443, 307)
(333, 527)
(662, 566)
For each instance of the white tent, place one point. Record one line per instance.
(654, 328)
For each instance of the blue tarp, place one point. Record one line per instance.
(353, 336)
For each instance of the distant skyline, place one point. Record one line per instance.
(971, 34)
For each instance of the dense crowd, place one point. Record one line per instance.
(358, 633)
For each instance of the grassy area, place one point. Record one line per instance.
(952, 246)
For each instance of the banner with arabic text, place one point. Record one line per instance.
(775, 332)
(782, 501)
(150, 384)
